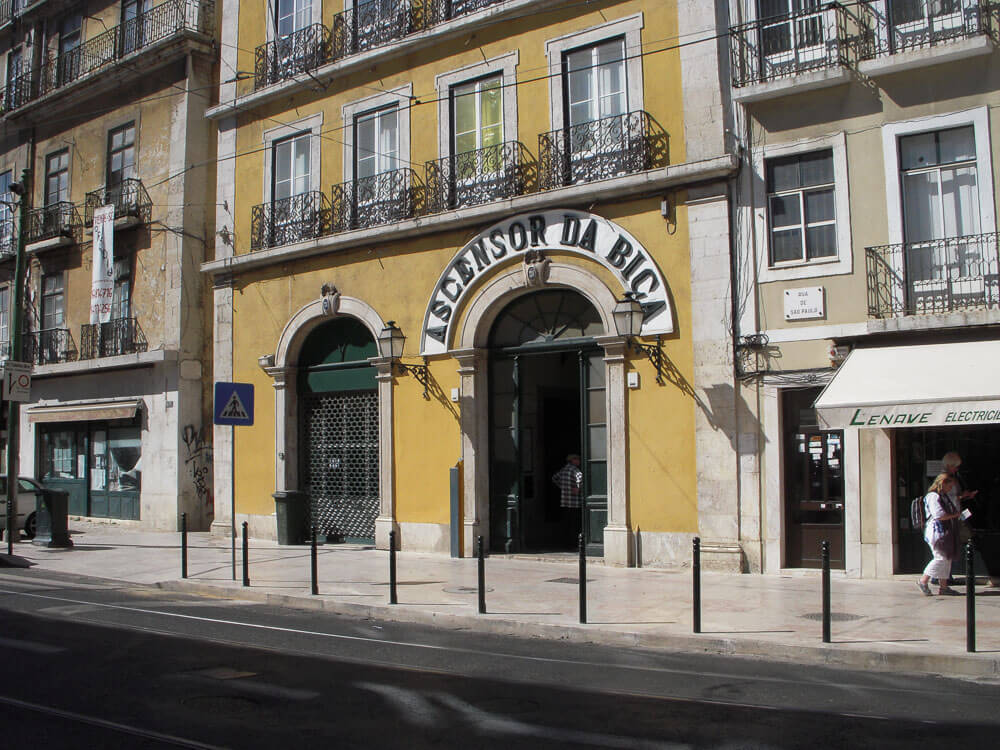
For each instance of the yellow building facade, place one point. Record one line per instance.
(532, 196)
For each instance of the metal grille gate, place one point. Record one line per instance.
(339, 442)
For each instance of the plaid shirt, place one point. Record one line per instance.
(569, 480)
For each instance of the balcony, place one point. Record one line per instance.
(482, 176)
(8, 240)
(444, 10)
(130, 199)
(59, 222)
(288, 220)
(599, 150)
(372, 24)
(299, 52)
(49, 347)
(372, 201)
(120, 336)
(934, 277)
(20, 90)
(818, 42)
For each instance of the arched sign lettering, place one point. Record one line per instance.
(584, 234)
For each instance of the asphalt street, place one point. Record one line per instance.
(88, 663)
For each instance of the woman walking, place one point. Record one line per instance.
(941, 534)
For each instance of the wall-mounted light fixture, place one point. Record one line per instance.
(628, 322)
(390, 345)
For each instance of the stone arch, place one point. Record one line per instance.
(311, 316)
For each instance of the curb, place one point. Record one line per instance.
(848, 656)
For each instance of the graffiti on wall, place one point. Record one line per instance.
(198, 459)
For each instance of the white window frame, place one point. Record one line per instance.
(843, 261)
(400, 97)
(978, 118)
(629, 27)
(881, 9)
(313, 125)
(506, 65)
(271, 21)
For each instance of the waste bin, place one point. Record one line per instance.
(292, 510)
(52, 514)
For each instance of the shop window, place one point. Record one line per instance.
(801, 207)
(57, 177)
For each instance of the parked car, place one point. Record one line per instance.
(27, 497)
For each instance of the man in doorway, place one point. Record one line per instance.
(569, 480)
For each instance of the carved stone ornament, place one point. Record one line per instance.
(330, 299)
(536, 268)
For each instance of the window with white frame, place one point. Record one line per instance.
(801, 207)
(376, 142)
(6, 214)
(477, 114)
(291, 16)
(595, 82)
(291, 173)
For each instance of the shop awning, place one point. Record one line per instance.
(86, 412)
(914, 386)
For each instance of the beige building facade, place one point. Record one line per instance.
(103, 122)
(866, 252)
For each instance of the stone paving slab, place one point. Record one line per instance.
(885, 625)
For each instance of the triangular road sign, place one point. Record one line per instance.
(234, 408)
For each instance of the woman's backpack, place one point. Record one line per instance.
(918, 513)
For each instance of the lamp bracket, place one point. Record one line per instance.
(652, 352)
(420, 372)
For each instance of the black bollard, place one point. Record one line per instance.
(313, 566)
(696, 583)
(184, 545)
(481, 555)
(583, 580)
(970, 598)
(825, 552)
(246, 556)
(392, 568)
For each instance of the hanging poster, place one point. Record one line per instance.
(103, 280)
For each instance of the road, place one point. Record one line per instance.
(91, 664)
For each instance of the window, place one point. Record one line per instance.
(791, 37)
(291, 16)
(916, 22)
(4, 321)
(376, 140)
(134, 24)
(6, 215)
(290, 173)
(121, 155)
(53, 301)
(939, 181)
(121, 298)
(70, 36)
(12, 99)
(57, 177)
(477, 114)
(801, 207)
(595, 82)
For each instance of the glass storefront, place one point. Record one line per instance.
(98, 463)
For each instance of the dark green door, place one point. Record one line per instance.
(594, 427)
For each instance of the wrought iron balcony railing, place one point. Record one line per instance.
(20, 90)
(370, 24)
(482, 176)
(49, 346)
(937, 276)
(371, 201)
(901, 25)
(786, 45)
(303, 50)
(119, 336)
(129, 198)
(98, 52)
(439, 11)
(598, 150)
(57, 220)
(305, 216)
(7, 239)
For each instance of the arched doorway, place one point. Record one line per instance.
(339, 429)
(547, 400)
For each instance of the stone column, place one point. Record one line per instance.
(386, 519)
(852, 502)
(618, 541)
(222, 370)
(474, 404)
(285, 428)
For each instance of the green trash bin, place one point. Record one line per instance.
(292, 510)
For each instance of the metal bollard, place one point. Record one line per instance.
(970, 598)
(246, 555)
(583, 580)
(392, 568)
(313, 565)
(696, 583)
(825, 553)
(481, 555)
(184, 545)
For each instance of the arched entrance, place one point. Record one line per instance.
(547, 401)
(338, 440)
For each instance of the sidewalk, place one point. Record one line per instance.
(879, 625)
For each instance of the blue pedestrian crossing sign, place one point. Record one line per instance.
(234, 404)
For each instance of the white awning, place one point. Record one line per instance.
(86, 412)
(914, 386)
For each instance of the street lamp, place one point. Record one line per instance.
(628, 316)
(390, 345)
